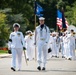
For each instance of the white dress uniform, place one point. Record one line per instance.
(29, 47)
(16, 46)
(62, 46)
(54, 47)
(65, 45)
(57, 45)
(71, 47)
(42, 38)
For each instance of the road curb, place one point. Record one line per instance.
(5, 55)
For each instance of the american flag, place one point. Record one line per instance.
(59, 23)
(59, 20)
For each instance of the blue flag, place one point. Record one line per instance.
(38, 10)
(59, 14)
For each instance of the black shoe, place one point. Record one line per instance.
(53, 56)
(69, 59)
(63, 57)
(13, 69)
(39, 68)
(57, 56)
(27, 59)
(43, 68)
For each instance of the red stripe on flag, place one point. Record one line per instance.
(59, 23)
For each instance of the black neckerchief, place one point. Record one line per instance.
(42, 26)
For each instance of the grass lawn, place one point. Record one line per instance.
(3, 51)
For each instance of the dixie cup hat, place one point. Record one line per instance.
(41, 18)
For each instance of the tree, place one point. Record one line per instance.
(4, 29)
(26, 8)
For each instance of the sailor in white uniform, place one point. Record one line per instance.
(71, 45)
(62, 45)
(29, 45)
(57, 45)
(54, 47)
(16, 44)
(42, 35)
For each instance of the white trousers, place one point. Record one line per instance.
(42, 53)
(62, 49)
(57, 50)
(29, 52)
(54, 49)
(16, 53)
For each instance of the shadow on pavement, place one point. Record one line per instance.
(48, 71)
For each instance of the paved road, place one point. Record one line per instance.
(55, 66)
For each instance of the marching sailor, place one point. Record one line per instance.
(42, 35)
(57, 44)
(29, 45)
(16, 44)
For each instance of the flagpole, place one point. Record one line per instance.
(35, 37)
(57, 28)
(35, 14)
(35, 21)
(56, 20)
(35, 30)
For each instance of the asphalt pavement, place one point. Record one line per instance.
(54, 66)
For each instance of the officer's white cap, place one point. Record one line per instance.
(41, 18)
(29, 32)
(16, 24)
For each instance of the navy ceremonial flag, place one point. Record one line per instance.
(38, 10)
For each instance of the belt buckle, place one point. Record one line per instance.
(42, 39)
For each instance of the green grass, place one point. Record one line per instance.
(3, 51)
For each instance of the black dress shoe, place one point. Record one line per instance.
(43, 68)
(69, 59)
(39, 68)
(13, 69)
(56, 56)
(63, 57)
(27, 59)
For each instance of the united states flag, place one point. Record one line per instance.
(59, 20)
(59, 23)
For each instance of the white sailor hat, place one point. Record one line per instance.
(54, 32)
(67, 32)
(41, 18)
(29, 32)
(16, 24)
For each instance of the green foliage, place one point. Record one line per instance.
(50, 13)
(70, 13)
(22, 11)
(3, 29)
(17, 18)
